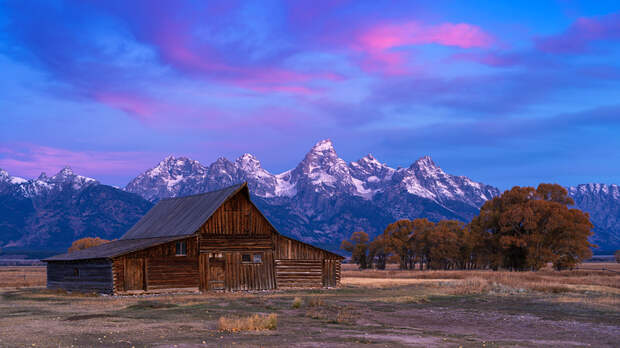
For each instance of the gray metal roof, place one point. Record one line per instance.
(180, 216)
(111, 249)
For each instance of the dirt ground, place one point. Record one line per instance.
(371, 309)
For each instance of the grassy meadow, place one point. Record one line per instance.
(372, 308)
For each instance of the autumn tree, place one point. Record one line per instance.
(421, 241)
(357, 245)
(378, 252)
(525, 228)
(398, 235)
(86, 243)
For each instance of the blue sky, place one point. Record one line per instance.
(508, 93)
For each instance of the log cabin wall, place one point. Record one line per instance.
(83, 275)
(302, 265)
(161, 268)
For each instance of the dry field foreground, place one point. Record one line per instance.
(372, 309)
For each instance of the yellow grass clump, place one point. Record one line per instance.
(296, 302)
(256, 322)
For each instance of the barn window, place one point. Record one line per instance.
(246, 258)
(181, 248)
(258, 258)
(76, 272)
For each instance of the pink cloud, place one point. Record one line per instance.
(30, 160)
(379, 42)
(584, 31)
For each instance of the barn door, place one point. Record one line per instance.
(134, 274)
(216, 272)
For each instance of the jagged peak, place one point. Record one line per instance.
(248, 161)
(4, 174)
(324, 145)
(425, 162)
(221, 159)
(42, 176)
(66, 171)
(247, 157)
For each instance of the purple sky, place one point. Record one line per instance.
(505, 95)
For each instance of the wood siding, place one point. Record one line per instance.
(248, 275)
(299, 273)
(161, 268)
(291, 249)
(331, 273)
(83, 275)
(237, 217)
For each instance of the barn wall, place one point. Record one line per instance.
(237, 217)
(93, 275)
(291, 249)
(249, 276)
(162, 268)
(299, 273)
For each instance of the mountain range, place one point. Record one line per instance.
(321, 201)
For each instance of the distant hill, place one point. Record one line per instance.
(51, 212)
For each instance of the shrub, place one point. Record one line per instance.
(314, 302)
(256, 322)
(296, 302)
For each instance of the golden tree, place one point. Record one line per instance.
(525, 228)
(398, 235)
(357, 245)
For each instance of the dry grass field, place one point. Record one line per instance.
(15, 276)
(389, 308)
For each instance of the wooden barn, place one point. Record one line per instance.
(212, 241)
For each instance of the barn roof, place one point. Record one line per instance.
(111, 249)
(180, 216)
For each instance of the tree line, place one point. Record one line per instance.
(523, 229)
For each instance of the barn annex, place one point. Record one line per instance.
(212, 241)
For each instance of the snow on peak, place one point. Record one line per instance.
(4, 175)
(17, 180)
(323, 146)
(426, 161)
(65, 172)
(248, 162)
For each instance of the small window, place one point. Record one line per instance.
(258, 258)
(76, 272)
(181, 248)
(246, 258)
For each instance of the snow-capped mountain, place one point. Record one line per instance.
(51, 212)
(602, 202)
(321, 171)
(324, 188)
(322, 200)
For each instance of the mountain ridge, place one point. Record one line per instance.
(321, 200)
